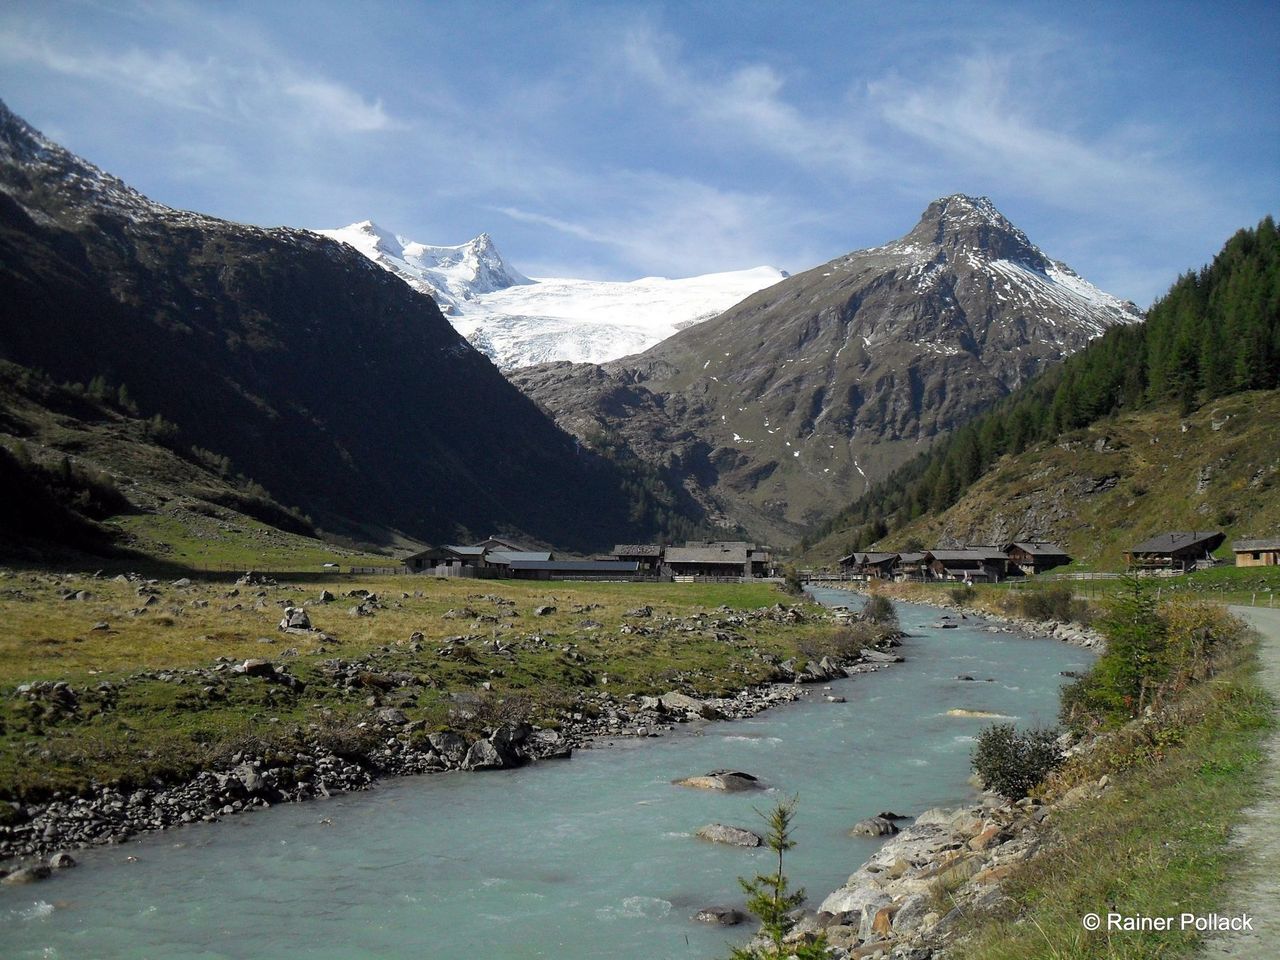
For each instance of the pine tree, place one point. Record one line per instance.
(770, 900)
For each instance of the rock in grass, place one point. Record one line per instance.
(255, 667)
(295, 618)
(734, 836)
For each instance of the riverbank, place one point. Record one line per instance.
(390, 734)
(1066, 630)
(1134, 823)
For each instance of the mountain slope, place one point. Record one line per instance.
(1214, 334)
(81, 473)
(1101, 489)
(796, 399)
(517, 321)
(324, 377)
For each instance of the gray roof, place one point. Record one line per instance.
(912, 557)
(872, 558)
(578, 566)
(951, 556)
(736, 553)
(511, 556)
(466, 551)
(1245, 546)
(1039, 548)
(637, 550)
(986, 551)
(1180, 540)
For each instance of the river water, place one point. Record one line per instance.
(570, 860)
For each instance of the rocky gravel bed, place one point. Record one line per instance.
(905, 901)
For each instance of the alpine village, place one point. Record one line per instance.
(362, 597)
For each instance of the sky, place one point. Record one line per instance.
(616, 140)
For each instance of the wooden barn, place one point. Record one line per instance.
(647, 555)
(1178, 550)
(1035, 556)
(967, 565)
(872, 566)
(1257, 553)
(719, 560)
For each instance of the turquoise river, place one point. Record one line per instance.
(593, 857)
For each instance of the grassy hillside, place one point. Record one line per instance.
(81, 474)
(1103, 488)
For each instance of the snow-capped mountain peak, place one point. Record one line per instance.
(452, 275)
(517, 321)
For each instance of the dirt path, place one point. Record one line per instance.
(1256, 889)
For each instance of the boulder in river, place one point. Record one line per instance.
(734, 836)
(878, 656)
(483, 755)
(874, 827)
(730, 781)
(23, 875)
(721, 916)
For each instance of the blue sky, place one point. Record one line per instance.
(618, 140)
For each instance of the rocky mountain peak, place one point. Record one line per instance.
(960, 223)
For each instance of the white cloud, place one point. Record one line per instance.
(986, 115)
(676, 226)
(266, 90)
(749, 103)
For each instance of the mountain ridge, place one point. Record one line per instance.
(321, 375)
(808, 391)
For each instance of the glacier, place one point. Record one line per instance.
(517, 320)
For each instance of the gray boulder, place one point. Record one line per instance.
(874, 827)
(730, 781)
(249, 778)
(548, 745)
(683, 703)
(876, 656)
(451, 747)
(393, 716)
(734, 836)
(24, 875)
(720, 916)
(483, 755)
(295, 618)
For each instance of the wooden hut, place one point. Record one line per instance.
(1178, 550)
(1257, 553)
(1035, 556)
